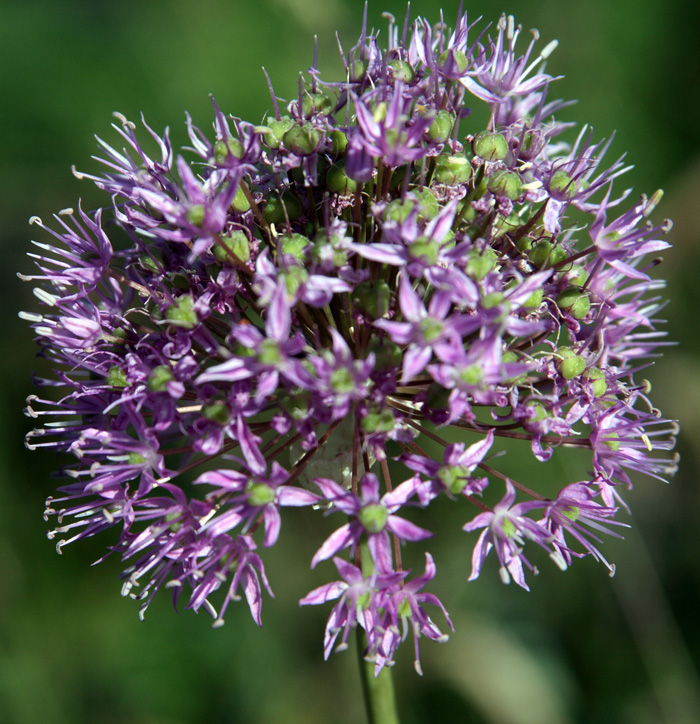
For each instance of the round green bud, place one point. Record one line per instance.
(452, 170)
(277, 130)
(378, 422)
(612, 440)
(217, 412)
(372, 298)
(314, 103)
(441, 127)
(338, 182)
(294, 277)
(505, 183)
(182, 313)
(135, 458)
(159, 378)
(508, 527)
(459, 57)
(428, 205)
(359, 70)
(545, 254)
(562, 185)
(490, 146)
(534, 300)
(116, 377)
(303, 140)
(373, 517)
(430, 329)
(339, 142)
(231, 146)
(296, 405)
(278, 210)
(492, 299)
(578, 276)
(574, 301)
(402, 70)
(196, 214)
(471, 375)
(260, 494)
(397, 210)
(425, 249)
(269, 353)
(454, 477)
(240, 203)
(295, 246)
(596, 376)
(569, 363)
(233, 248)
(540, 410)
(342, 381)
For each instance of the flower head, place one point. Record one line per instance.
(366, 285)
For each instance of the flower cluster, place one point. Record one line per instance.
(306, 310)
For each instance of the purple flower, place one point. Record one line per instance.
(367, 286)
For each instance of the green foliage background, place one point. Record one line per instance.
(579, 649)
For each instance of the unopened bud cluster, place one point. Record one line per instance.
(301, 312)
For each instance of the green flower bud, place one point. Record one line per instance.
(574, 301)
(339, 142)
(402, 70)
(196, 214)
(596, 376)
(490, 146)
(425, 249)
(217, 412)
(231, 146)
(339, 182)
(182, 313)
(397, 210)
(159, 378)
(314, 103)
(431, 329)
(277, 130)
(505, 183)
(373, 517)
(612, 440)
(269, 353)
(359, 70)
(372, 298)
(471, 375)
(294, 277)
(541, 412)
(480, 263)
(493, 299)
(562, 185)
(295, 245)
(342, 381)
(545, 254)
(380, 422)
(428, 205)
(278, 210)
(459, 57)
(452, 170)
(569, 363)
(135, 458)
(260, 494)
(240, 203)
(233, 248)
(296, 405)
(303, 140)
(454, 477)
(116, 377)
(440, 129)
(534, 300)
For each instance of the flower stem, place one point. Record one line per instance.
(378, 691)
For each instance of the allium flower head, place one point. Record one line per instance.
(297, 312)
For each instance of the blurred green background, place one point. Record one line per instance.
(580, 648)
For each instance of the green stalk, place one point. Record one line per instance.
(378, 692)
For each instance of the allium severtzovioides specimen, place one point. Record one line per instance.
(352, 306)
